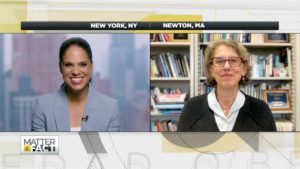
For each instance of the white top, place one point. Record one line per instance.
(225, 123)
(75, 128)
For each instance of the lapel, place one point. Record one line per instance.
(244, 120)
(61, 112)
(92, 110)
(204, 118)
(241, 119)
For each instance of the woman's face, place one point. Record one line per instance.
(227, 67)
(76, 68)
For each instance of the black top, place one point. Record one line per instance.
(255, 115)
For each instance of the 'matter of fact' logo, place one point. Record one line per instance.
(39, 144)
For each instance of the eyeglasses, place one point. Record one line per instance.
(233, 61)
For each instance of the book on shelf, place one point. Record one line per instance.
(187, 65)
(168, 95)
(167, 106)
(169, 37)
(171, 97)
(201, 63)
(203, 87)
(172, 111)
(167, 100)
(284, 125)
(165, 125)
(257, 38)
(160, 37)
(237, 37)
(173, 65)
(169, 65)
(271, 65)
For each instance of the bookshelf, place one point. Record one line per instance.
(172, 67)
(194, 50)
(260, 52)
(297, 80)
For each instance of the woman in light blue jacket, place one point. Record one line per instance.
(76, 106)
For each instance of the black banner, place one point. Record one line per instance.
(60, 25)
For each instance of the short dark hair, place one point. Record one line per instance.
(78, 42)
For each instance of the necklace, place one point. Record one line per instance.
(224, 108)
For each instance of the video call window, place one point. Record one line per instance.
(31, 68)
(222, 82)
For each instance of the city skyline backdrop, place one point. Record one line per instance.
(29, 68)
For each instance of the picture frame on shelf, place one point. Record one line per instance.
(276, 38)
(180, 37)
(277, 99)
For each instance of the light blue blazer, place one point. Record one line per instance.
(51, 113)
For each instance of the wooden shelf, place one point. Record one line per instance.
(282, 112)
(262, 45)
(156, 113)
(259, 45)
(264, 78)
(271, 78)
(170, 44)
(170, 79)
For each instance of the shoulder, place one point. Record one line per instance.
(101, 98)
(47, 98)
(192, 110)
(260, 112)
(43, 105)
(196, 101)
(195, 105)
(256, 104)
(258, 108)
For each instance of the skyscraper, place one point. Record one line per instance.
(142, 68)
(1, 84)
(34, 71)
(22, 102)
(7, 105)
(121, 62)
(36, 56)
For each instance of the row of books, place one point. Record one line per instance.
(160, 37)
(271, 65)
(255, 90)
(284, 125)
(237, 37)
(166, 125)
(201, 63)
(167, 100)
(169, 65)
(203, 88)
(168, 94)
